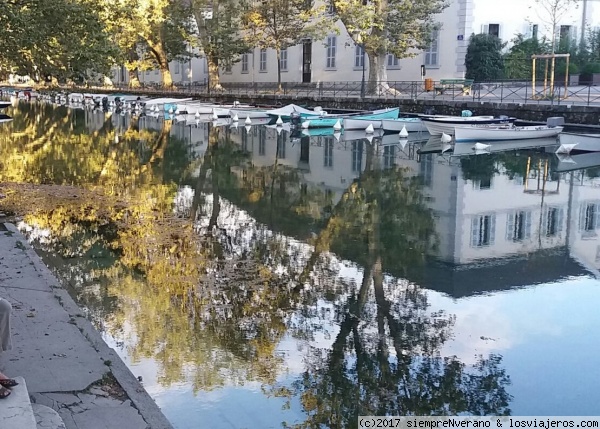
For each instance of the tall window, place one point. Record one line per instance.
(328, 152)
(389, 156)
(553, 221)
(176, 68)
(262, 140)
(432, 52)
(244, 63)
(331, 51)
(283, 58)
(426, 169)
(263, 60)
(518, 225)
(494, 30)
(331, 7)
(359, 56)
(357, 151)
(281, 138)
(534, 31)
(392, 61)
(227, 68)
(589, 218)
(483, 230)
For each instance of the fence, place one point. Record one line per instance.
(494, 92)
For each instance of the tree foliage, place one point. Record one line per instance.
(279, 24)
(219, 36)
(484, 58)
(64, 39)
(517, 62)
(399, 27)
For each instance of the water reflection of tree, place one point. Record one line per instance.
(211, 303)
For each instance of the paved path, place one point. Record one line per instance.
(65, 362)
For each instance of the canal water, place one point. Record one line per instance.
(255, 277)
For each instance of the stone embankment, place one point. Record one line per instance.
(65, 363)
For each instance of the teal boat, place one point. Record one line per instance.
(330, 121)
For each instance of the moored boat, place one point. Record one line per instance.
(4, 104)
(374, 119)
(577, 162)
(242, 114)
(286, 112)
(446, 124)
(411, 124)
(581, 142)
(5, 118)
(502, 132)
(503, 146)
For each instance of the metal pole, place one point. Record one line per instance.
(533, 81)
(362, 83)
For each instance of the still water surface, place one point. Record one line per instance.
(257, 278)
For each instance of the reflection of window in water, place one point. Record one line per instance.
(262, 138)
(597, 253)
(483, 230)
(281, 138)
(518, 225)
(484, 183)
(244, 139)
(357, 150)
(426, 169)
(589, 218)
(553, 221)
(328, 152)
(389, 156)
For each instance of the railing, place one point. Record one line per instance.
(507, 91)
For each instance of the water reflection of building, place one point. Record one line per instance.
(496, 231)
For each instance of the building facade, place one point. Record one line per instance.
(337, 58)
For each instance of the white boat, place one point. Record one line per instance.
(412, 125)
(242, 114)
(503, 132)
(285, 112)
(5, 118)
(503, 146)
(446, 124)
(161, 102)
(581, 142)
(577, 162)
(5, 104)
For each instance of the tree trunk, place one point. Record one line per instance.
(214, 82)
(134, 79)
(378, 83)
(279, 88)
(160, 55)
(212, 60)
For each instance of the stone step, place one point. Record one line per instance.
(47, 418)
(17, 411)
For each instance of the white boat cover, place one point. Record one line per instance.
(288, 110)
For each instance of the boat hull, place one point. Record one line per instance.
(480, 134)
(412, 125)
(504, 146)
(248, 113)
(374, 119)
(583, 142)
(578, 162)
(437, 126)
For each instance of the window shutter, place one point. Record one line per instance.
(500, 31)
(527, 224)
(485, 29)
(510, 226)
(474, 231)
(492, 229)
(581, 225)
(597, 220)
(561, 215)
(544, 230)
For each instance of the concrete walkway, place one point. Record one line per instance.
(65, 362)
